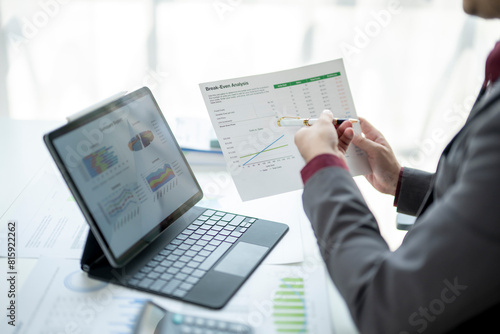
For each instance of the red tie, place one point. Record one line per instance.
(492, 66)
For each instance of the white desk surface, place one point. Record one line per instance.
(23, 152)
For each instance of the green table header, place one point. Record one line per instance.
(303, 81)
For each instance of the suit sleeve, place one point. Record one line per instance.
(446, 270)
(414, 186)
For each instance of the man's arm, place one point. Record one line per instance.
(445, 271)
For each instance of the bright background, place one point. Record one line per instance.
(414, 67)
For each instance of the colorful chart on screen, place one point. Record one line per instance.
(140, 141)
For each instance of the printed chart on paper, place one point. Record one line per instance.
(262, 157)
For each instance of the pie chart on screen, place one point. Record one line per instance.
(140, 141)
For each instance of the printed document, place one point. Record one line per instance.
(261, 156)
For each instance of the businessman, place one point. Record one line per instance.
(445, 276)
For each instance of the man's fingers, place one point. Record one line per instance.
(345, 138)
(326, 117)
(363, 143)
(369, 130)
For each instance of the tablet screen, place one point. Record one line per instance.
(128, 170)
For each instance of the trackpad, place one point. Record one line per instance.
(242, 259)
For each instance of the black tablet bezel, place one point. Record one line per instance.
(135, 249)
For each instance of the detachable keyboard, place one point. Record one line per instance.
(186, 259)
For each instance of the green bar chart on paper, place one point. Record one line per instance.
(289, 307)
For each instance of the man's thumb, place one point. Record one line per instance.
(363, 143)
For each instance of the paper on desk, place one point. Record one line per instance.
(48, 221)
(59, 298)
(279, 299)
(261, 156)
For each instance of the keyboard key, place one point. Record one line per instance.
(221, 236)
(179, 264)
(195, 236)
(160, 269)
(171, 286)
(139, 275)
(180, 293)
(176, 242)
(190, 241)
(243, 229)
(219, 213)
(158, 285)
(203, 218)
(146, 269)
(187, 270)
(152, 263)
(217, 228)
(215, 242)
(190, 253)
(204, 253)
(186, 286)
(222, 223)
(173, 270)
(159, 257)
(216, 255)
(165, 252)
(211, 222)
(196, 248)
(166, 277)
(192, 227)
(199, 258)
(181, 276)
(198, 273)
(166, 263)
(231, 239)
(227, 217)
(153, 275)
(251, 220)
(236, 234)
(209, 248)
(207, 237)
(135, 281)
(171, 247)
(236, 221)
(178, 252)
(211, 323)
(211, 232)
(173, 257)
(185, 258)
(182, 237)
(209, 213)
(184, 246)
(145, 283)
(205, 227)
(192, 280)
(202, 243)
(223, 233)
(193, 264)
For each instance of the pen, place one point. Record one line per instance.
(297, 121)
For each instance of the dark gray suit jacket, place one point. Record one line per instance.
(445, 277)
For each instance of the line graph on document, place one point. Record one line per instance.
(267, 150)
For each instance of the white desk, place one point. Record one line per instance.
(23, 152)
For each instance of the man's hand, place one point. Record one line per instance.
(322, 137)
(385, 168)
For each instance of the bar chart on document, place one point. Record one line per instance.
(261, 156)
